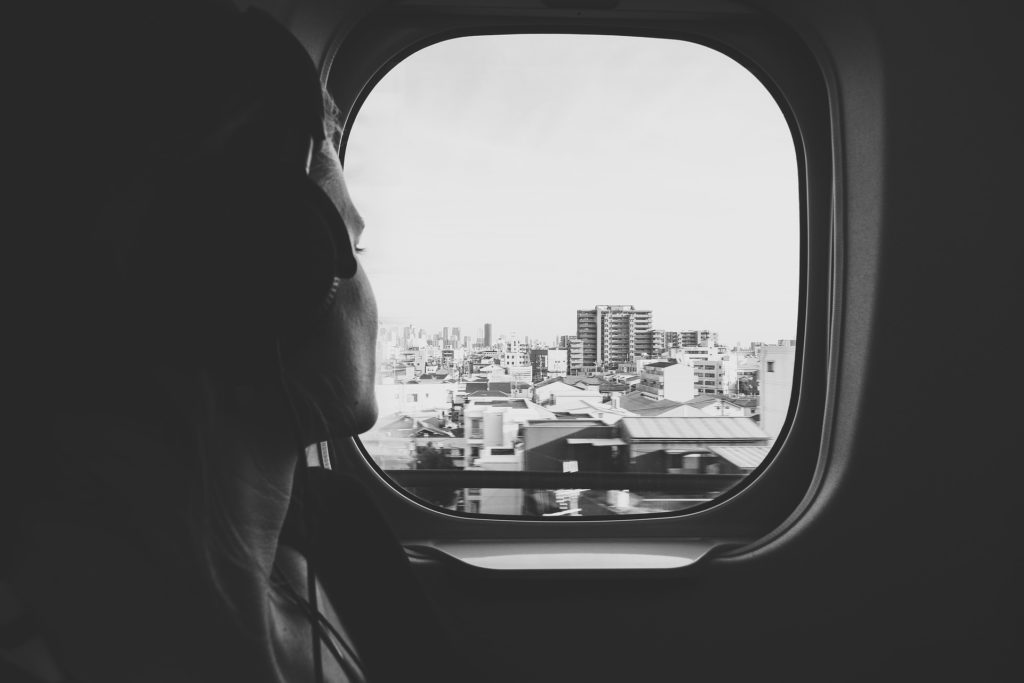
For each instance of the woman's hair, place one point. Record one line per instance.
(334, 126)
(218, 541)
(152, 92)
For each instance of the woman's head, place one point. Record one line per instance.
(187, 257)
(192, 265)
(201, 243)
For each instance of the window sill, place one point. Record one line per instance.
(571, 557)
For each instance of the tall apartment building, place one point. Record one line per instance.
(613, 334)
(487, 335)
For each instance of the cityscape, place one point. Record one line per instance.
(619, 418)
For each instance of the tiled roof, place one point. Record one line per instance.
(692, 429)
(561, 391)
(432, 431)
(704, 400)
(745, 401)
(635, 403)
(746, 457)
(707, 399)
(591, 381)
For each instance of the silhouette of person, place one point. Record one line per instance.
(202, 318)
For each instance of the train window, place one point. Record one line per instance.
(586, 255)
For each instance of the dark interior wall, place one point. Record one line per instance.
(906, 565)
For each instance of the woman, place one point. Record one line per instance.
(206, 319)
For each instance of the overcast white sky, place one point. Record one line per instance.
(515, 179)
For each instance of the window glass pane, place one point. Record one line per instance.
(585, 251)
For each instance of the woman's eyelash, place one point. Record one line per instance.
(359, 249)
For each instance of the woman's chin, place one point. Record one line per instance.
(365, 417)
(339, 420)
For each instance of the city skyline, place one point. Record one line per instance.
(476, 333)
(523, 186)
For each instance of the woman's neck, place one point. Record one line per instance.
(258, 476)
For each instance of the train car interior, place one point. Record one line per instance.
(604, 489)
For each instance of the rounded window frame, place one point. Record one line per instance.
(786, 67)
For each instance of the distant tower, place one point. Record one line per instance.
(487, 334)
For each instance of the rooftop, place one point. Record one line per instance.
(434, 375)
(745, 401)
(708, 399)
(551, 380)
(516, 403)
(705, 400)
(635, 403)
(746, 457)
(590, 381)
(692, 429)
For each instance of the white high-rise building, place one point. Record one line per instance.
(613, 334)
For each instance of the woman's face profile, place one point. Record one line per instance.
(339, 366)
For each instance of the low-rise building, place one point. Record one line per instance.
(776, 385)
(414, 397)
(667, 379)
(557, 394)
(572, 445)
(697, 445)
